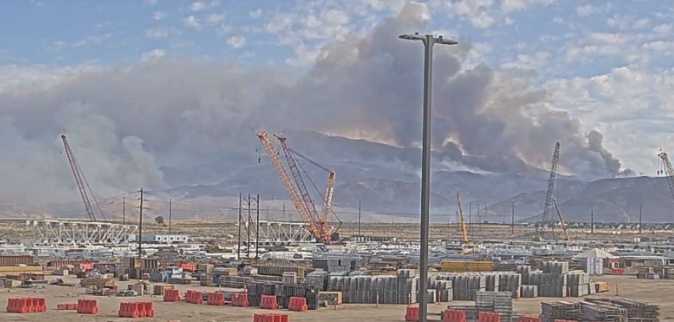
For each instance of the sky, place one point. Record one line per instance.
(607, 66)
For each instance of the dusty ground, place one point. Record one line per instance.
(657, 292)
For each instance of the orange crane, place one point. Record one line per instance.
(299, 194)
(464, 231)
(82, 184)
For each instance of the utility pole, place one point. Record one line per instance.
(124, 210)
(640, 220)
(428, 41)
(592, 222)
(170, 202)
(257, 227)
(512, 220)
(238, 247)
(284, 212)
(140, 234)
(470, 217)
(248, 229)
(358, 217)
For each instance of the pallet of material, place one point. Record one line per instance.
(603, 311)
(180, 281)
(330, 297)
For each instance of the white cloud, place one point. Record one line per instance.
(151, 2)
(535, 61)
(236, 41)
(215, 18)
(153, 54)
(257, 13)
(158, 15)
(663, 28)
(156, 33)
(192, 22)
(198, 6)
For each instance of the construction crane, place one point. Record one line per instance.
(561, 220)
(668, 170)
(464, 230)
(82, 184)
(541, 225)
(299, 194)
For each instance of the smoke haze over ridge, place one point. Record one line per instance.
(127, 122)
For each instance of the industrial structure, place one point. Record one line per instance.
(544, 222)
(316, 223)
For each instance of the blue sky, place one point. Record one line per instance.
(607, 63)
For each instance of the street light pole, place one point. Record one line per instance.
(428, 41)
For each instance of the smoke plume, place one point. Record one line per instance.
(127, 123)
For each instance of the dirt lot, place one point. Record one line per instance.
(658, 292)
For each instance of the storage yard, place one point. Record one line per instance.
(204, 278)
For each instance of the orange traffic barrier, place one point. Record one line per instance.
(136, 309)
(171, 295)
(87, 306)
(525, 318)
(298, 304)
(412, 314)
(270, 317)
(268, 302)
(27, 305)
(194, 297)
(216, 298)
(66, 306)
(489, 317)
(454, 316)
(240, 300)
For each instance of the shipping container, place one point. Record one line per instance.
(16, 260)
(467, 266)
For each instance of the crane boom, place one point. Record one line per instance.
(301, 186)
(548, 193)
(329, 190)
(669, 170)
(561, 220)
(464, 231)
(81, 181)
(288, 183)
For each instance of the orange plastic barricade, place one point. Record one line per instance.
(240, 300)
(194, 297)
(268, 302)
(270, 317)
(27, 305)
(524, 318)
(87, 306)
(454, 316)
(66, 306)
(489, 317)
(171, 295)
(412, 314)
(216, 298)
(298, 304)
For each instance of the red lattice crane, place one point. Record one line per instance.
(82, 184)
(294, 183)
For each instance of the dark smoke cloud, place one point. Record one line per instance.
(129, 122)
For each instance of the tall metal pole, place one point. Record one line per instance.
(140, 232)
(257, 227)
(170, 202)
(238, 247)
(640, 220)
(592, 222)
(428, 41)
(512, 220)
(358, 217)
(124, 210)
(248, 228)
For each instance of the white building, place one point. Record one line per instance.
(162, 239)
